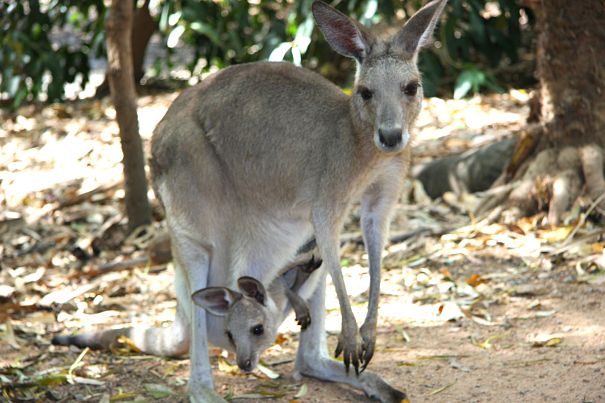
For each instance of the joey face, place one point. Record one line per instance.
(250, 328)
(387, 99)
(250, 318)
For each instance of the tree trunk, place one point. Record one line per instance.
(121, 84)
(562, 155)
(143, 27)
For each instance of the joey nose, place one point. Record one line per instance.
(391, 137)
(245, 366)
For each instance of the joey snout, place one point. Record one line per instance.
(247, 362)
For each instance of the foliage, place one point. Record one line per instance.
(475, 39)
(31, 62)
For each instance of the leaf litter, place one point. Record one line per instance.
(471, 299)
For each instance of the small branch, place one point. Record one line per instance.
(582, 219)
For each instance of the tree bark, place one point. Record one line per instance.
(121, 84)
(143, 27)
(571, 69)
(561, 156)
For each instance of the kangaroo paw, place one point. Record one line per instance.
(303, 319)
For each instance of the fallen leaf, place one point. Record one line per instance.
(226, 367)
(475, 280)
(267, 372)
(10, 337)
(6, 291)
(441, 389)
(487, 343)
(302, 391)
(446, 274)
(551, 342)
(158, 391)
(556, 234)
(280, 339)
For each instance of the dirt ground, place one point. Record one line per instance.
(471, 311)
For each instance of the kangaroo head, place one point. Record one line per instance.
(387, 94)
(250, 318)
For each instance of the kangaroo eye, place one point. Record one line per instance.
(411, 89)
(257, 330)
(365, 93)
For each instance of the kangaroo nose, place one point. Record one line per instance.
(390, 137)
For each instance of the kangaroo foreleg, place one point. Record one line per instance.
(376, 206)
(301, 310)
(302, 273)
(326, 225)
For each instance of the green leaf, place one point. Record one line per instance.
(158, 391)
(464, 84)
(174, 36)
(206, 30)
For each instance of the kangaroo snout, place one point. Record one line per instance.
(392, 139)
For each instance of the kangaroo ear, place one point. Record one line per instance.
(417, 31)
(345, 36)
(216, 300)
(252, 288)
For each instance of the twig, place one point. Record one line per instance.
(582, 219)
(76, 365)
(87, 195)
(113, 266)
(565, 248)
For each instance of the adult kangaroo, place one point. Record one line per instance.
(258, 158)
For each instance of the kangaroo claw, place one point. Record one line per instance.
(352, 351)
(303, 321)
(368, 335)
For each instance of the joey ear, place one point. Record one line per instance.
(417, 31)
(345, 36)
(252, 288)
(216, 300)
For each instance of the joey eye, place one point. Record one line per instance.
(257, 330)
(410, 89)
(365, 93)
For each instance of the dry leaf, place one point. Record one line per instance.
(552, 342)
(226, 367)
(302, 391)
(475, 280)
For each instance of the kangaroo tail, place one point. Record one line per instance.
(171, 341)
(100, 340)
